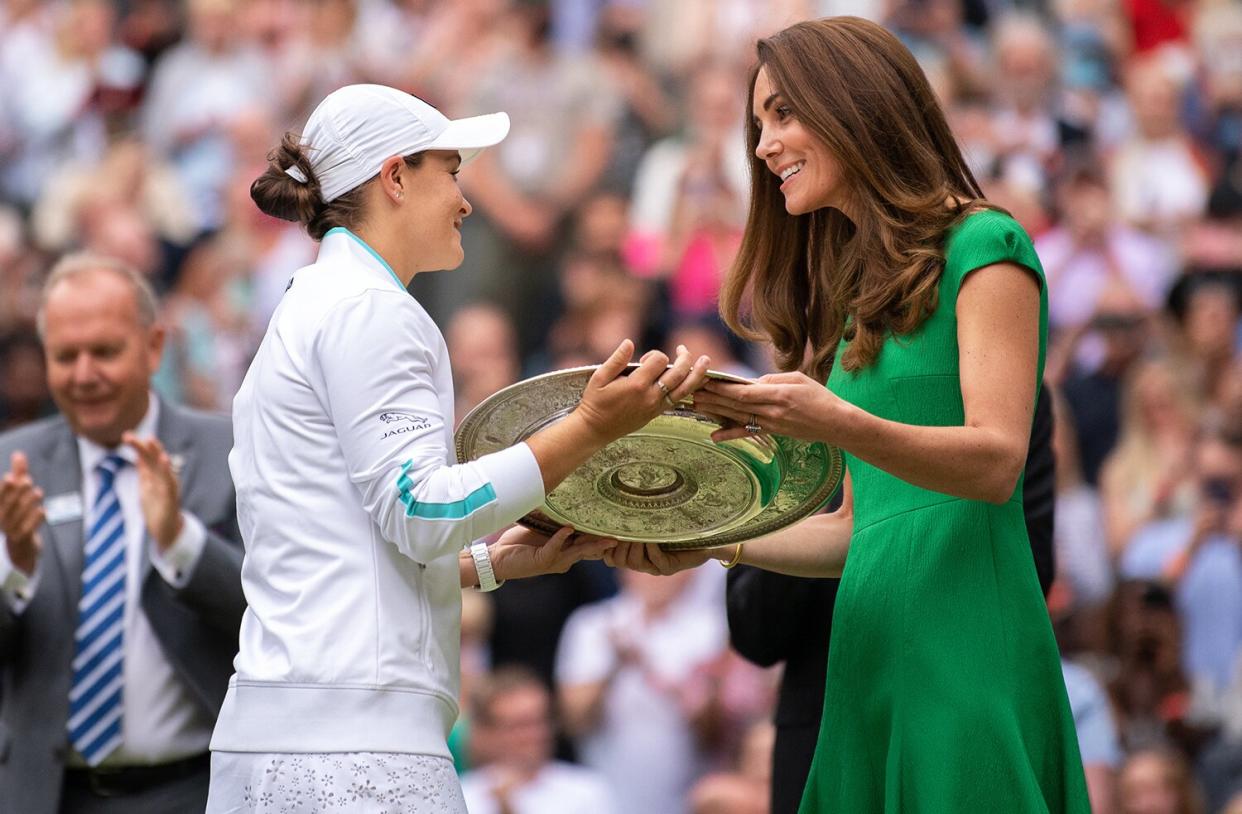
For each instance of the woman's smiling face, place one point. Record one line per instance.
(810, 175)
(435, 209)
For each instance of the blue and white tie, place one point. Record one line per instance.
(95, 696)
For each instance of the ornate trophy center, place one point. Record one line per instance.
(644, 485)
(647, 479)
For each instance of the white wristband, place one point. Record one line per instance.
(483, 565)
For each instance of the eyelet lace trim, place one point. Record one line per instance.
(356, 782)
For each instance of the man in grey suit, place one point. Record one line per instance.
(120, 588)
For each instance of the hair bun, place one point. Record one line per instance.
(288, 189)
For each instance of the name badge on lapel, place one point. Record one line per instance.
(63, 508)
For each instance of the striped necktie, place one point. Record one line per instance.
(95, 696)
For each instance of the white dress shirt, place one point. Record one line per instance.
(161, 721)
(643, 745)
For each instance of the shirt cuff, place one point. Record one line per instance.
(176, 565)
(17, 587)
(515, 475)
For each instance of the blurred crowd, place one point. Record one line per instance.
(1111, 129)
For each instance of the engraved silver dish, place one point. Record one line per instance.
(667, 483)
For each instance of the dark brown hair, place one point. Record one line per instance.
(809, 280)
(280, 195)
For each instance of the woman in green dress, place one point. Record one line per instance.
(870, 260)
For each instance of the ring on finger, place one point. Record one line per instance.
(668, 398)
(752, 426)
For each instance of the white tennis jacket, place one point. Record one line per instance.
(353, 511)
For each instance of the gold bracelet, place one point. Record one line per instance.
(737, 557)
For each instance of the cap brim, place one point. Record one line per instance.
(470, 136)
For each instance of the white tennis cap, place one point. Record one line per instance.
(355, 129)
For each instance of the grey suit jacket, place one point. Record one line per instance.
(197, 626)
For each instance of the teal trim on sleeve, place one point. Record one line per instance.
(342, 230)
(456, 510)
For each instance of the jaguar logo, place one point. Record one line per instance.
(402, 423)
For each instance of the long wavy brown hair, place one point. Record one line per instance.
(806, 281)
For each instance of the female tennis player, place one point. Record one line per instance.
(358, 523)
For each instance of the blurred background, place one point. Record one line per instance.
(1111, 129)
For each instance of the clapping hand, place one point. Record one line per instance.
(21, 514)
(158, 489)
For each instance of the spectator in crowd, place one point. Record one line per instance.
(1084, 568)
(1157, 781)
(1206, 306)
(476, 627)
(1218, 765)
(1148, 476)
(599, 225)
(209, 345)
(1150, 692)
(530, 618)
(1215, 242)
(457, 44)
(198, 87)
(1025, 131)
(1198, 557)
(1092, 41)
(589, 285)
(123, 233)
(1158, 175)
(17, 13)
(511, 711)
(563, 116)
(262, 251)
(1097, 734)
(310, 49)
(121, 557)
(744, 789)
(621, 670)
(600, 303)
(56, 71)
(689, 181)
(679, 34)
(1092, 365)
(1158, 27)
(127, 176)
(1226, 413)
(482, 345)
(648, 109)
(1218, 36)
(1089, 250)
(24, 396)
(20, 264)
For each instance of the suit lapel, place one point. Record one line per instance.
(65, 540)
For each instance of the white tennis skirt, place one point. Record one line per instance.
(354, 782)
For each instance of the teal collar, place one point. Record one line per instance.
(341, 230)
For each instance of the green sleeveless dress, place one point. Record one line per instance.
(944, 689)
